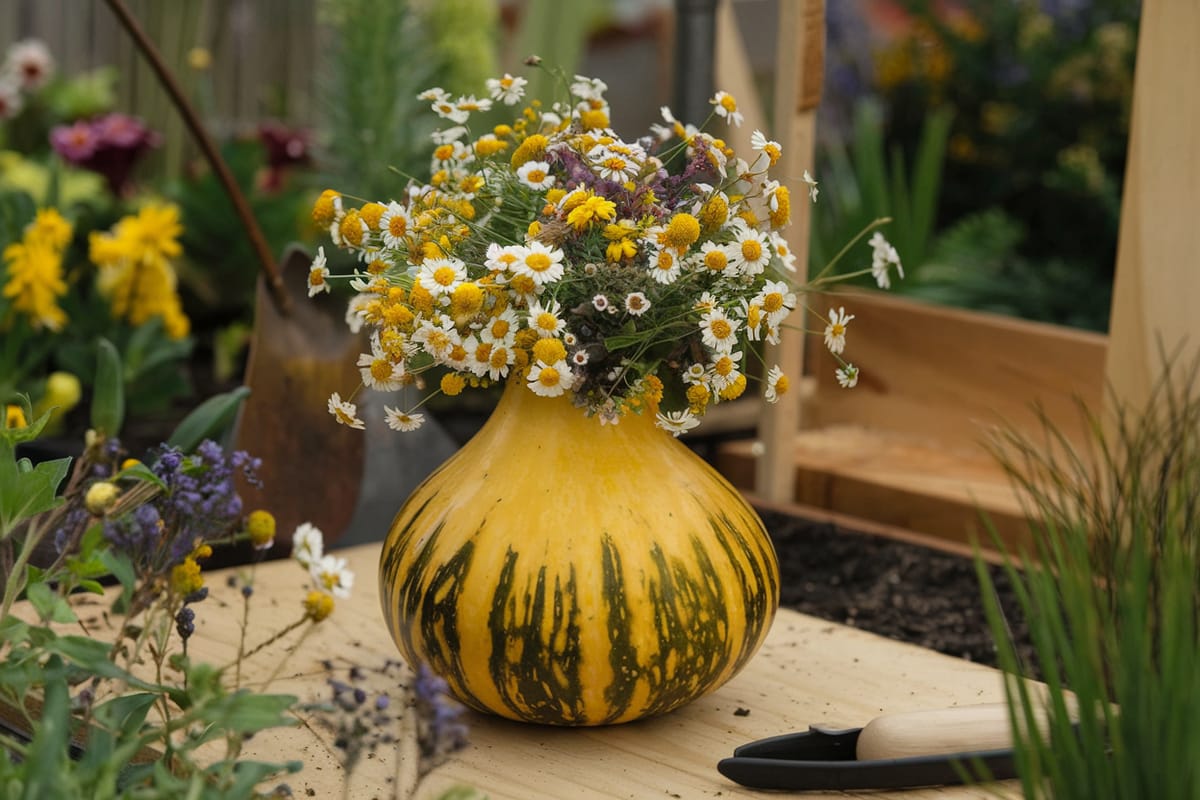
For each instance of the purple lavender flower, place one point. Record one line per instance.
(440, 730)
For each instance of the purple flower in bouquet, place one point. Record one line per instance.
(285, 147)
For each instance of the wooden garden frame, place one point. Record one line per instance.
(906, 447)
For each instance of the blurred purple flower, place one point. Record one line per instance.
(110, 145)
(285, 148)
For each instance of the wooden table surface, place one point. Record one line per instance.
(808, 671)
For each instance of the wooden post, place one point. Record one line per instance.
(798, 76)
(1158, 251)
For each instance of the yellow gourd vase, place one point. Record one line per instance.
(560, 571)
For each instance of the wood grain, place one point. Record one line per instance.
(1158, 250)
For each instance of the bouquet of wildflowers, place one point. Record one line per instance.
(627, 275)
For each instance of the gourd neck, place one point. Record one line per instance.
(560, 416)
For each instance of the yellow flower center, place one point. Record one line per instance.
(549, 350)
(547, 322)
(781, 385)
(752, 250)
(444, 276)
(729, 103)
(721, 329)
(665, 261)
(381, 369)
(549, 377)
(681, 232)
(483, 352)
(773, 302)
(316, 277)
(499, 358)
(837, 329)
(538, 262)
(724, 366)
(716, 260)
(397, 225)
(500, 328)
(522, 284)
(536, 175)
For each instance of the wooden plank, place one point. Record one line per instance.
(873, 476)
(809, 672)
(949, 374)
(1157, 279)
(798, 77)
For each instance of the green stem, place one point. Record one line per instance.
(16, 576)
(846, 248)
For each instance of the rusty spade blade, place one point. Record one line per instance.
(311, 466)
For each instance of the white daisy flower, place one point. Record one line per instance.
(394, 225)
(777, 384)
(750, 251)
(438, 337)
(835, 330)
(441, 276)
(726, 106)
(434, 94)
(356, 311)
(470, 104)
(718, 331)
(714, 257)
(545, 319)
(403, 421)
(586, 88)
(318, 274)
(308, 544)
(550, 380)
(695, 375)
(762, 144)
(847, 376)
(502, 259)
(449, 135)
(883, 256)
(777, 300)
(500, 329)
(600, 302)
(780, 246)
(507, 90)
(345, 412)
(570, 339)
(612, 166)
(542, 263)
(446, 108)
(812, 185)
(724, 370)
(331, 574)
(501, 358)
(676, 422)
(377, 370)
(579, 358)
(665, 267)
(535, 175)
(636, 303)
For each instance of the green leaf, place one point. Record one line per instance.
(249, 774)
(51, 736)
(122, 569)
(246, 712)
(141, 472)
(208, 420)
(108, 402)
(27, 492)
(49, 604)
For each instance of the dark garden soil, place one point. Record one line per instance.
(896, 589)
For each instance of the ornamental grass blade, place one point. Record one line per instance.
(311, 468)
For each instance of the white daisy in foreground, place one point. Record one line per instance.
(318, 274)
(308, 544)
(535, 175)
(550, 380)
(847, 376)
(726, 106)
(835, 331)
(441, 276)
(345, 412)
(332, 575)
(403, 421)
(676, 422)
(719, 331)
(378, 371)
(542, 263)
(777, 384)
(665, 267)
(507, 90)
(545, 319)
(502, 259)
(776, 301)
(31, 62)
